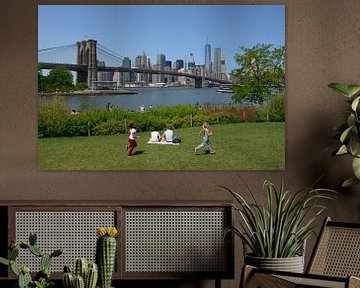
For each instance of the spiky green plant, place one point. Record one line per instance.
(91, 275)
(24, 280)
(80, 267)
(42, 278)
(79, 282)
(106, 254)
(279, 229)
(68, 280)
(85, 274)
(349, 132)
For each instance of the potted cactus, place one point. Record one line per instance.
(106, 254)
(84, 275)
(42, 278)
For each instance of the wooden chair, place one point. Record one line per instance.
(335, 262)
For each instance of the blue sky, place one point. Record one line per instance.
(174, 30)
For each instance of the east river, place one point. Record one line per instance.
(147, 97)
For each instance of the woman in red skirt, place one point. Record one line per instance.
(131, 141)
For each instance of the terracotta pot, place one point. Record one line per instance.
(291, 264)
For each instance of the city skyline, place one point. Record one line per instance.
(173, 30)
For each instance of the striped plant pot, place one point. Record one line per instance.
(291, 264)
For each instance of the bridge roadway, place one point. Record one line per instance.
(84, 68)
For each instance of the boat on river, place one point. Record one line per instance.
(225, 89)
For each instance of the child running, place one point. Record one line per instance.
(131, 141)
(206, 138)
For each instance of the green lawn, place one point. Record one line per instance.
(243, 146)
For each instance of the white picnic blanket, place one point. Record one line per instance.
(162, 143)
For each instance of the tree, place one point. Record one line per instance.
(59, 79)
(41, 80)
(261, 70)
(81, 86)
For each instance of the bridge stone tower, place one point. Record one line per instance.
(86, 55)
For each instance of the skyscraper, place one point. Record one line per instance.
(142, 61)
(126, 63)
(207, 58)
(160, 60)
(217, 63)
(168, 78)
(179, 64)
(145, 64)
(223, 67)
(160, 65)
(191, 61)
(138, 61)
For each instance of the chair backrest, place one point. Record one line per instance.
(337, 251)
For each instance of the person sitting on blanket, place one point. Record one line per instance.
(168, 135)
(155, 136)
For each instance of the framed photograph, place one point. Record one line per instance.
(161, 87)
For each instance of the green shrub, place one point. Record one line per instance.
(261, 114)
(156, 124)
(245, 114)
(227, 117)
(109, 127)
(96, 116)
(277, 107)
(199, 119)
(145, 122)
(52, 119)
(274, 112)
(178, 122)
(81, 86)
(55, 120)
(175, 110)
(78, 125)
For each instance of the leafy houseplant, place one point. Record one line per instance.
(279, 229)
(349, 132)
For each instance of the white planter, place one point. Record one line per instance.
(291, 264)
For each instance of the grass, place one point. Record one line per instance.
(243, 146)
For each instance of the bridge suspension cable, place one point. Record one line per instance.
(110, 55)
(102, 53)
(67, 54)
(60, 54)
(56, 48)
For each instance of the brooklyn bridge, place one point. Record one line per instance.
(89, 53)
